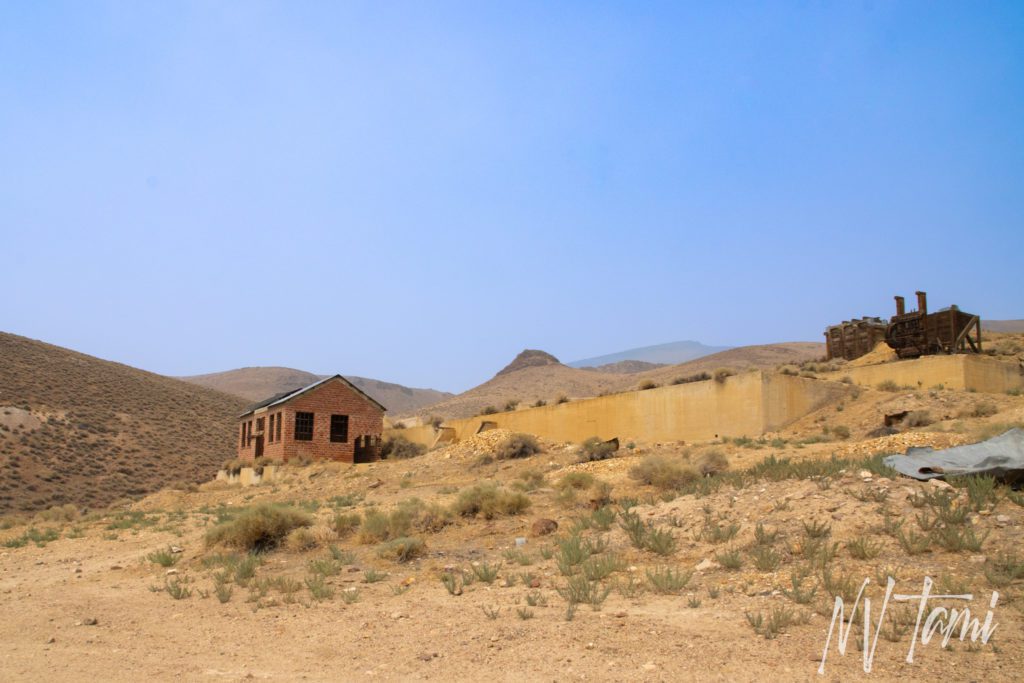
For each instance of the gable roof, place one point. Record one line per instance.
(285, 396)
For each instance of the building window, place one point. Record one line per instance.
(339, 428)
(259, 426)
(248, 433)
(270, 432)
(280, 419)
(241, 435)
(303, 426)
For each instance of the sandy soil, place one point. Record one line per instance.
(50, 595)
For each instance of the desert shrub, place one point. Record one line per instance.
(722, 373)
(539, 403)
(398, 425)
(530, 480)
(595, 449)
(888, 385)
(663, 473)
(576, 480)
(712, 462)
(300, 540)
(517, 446)
(699, 377)
(400, 448)
(345, 523)
(489, 501)
(648, 384)
(258, 529)
(511, 404)
(58, 513)
(984, 409)
(435, 421)
(489, 410)
(918, 418)
(841, 432)
(401, 549)
(562, 399)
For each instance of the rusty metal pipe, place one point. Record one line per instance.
(922, 303)
(900, 306)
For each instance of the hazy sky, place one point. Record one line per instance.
(417, 191)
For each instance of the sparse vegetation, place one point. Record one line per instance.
(595, 449)
(258, 529)
(662, 473)
(517, 446)
(398, 447)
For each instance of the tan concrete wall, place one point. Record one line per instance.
(961, 371)
(742, 405)
(424, 434)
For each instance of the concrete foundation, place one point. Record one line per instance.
(960, 371)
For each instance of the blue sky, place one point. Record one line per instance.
(417, 191)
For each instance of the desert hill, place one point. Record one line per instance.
(255, 384)
(534, 375)
(1011, 326)
(761, 356)
(671, 353)
(77, 429)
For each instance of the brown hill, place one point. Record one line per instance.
(256, 384)
(537, 375)
(762, 356)
(532, 375)
(77, 429)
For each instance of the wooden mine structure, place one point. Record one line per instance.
(910, 335)
(920, 333)
(853, 338)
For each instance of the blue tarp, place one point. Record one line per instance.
(1001, 457)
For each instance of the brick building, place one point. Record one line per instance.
(328, 420)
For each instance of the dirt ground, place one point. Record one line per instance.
(92, 603)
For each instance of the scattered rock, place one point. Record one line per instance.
(374, 484)
(177, 549)
(706, 564)
(543, 527)
(91, 621)
(51, 640)
(939, 484)
(649, 666)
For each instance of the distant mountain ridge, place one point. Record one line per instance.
(256, 384)
(1002, 325)
(671, 353)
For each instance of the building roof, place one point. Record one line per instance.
(285, 396)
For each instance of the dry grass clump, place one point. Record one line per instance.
(918, 418)
(712, 462)
(399, 448)
(648, 384)
(595, 449)
(659, 471)
(722, 373)
(58, 513)
(517, 446)
(300, 540)
(258, 529)
(489, 501)
(699, 377)
(402, 549)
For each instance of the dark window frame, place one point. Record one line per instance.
(339, 428)
(270, 430)
(280, 419)
(304, 426)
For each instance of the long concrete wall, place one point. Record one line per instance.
(961, 371)
(743, 405)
